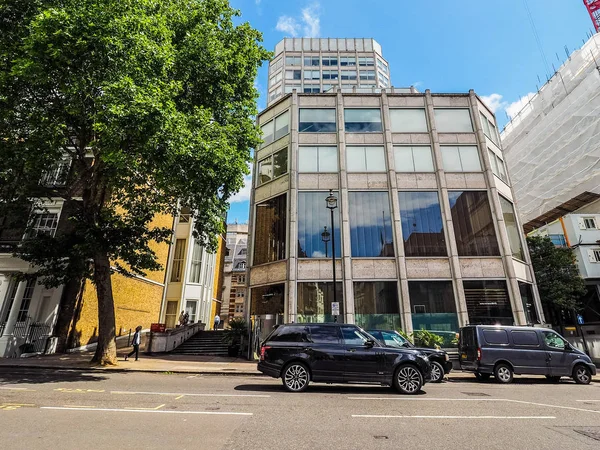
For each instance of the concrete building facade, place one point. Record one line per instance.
(234, 285)
(313, 65)
(425, 228)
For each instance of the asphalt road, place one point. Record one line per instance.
(43, 409)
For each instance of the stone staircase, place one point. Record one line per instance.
(203, 343)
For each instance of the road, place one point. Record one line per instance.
(44, 409)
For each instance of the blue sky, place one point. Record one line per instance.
(442, 45)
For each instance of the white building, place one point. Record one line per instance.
(234, 279)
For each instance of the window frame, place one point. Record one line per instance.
(437, 126)
(412, 155)
(318, 150)
(271, 157)
(363, 131)
(460, 149)
(365, 152)
(335, 126)
(393, 112)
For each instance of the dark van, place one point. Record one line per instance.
(504, 351)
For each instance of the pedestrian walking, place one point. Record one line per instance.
(217, 322)
(137, 340)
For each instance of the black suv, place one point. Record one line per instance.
(339, 353)
(440, 361)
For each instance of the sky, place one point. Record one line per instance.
(497, 48)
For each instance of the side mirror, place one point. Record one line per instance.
(370, 343)
(568, 347)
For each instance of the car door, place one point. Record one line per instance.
(363, 362)
(558, 358)
(326, 353)
(527, 355)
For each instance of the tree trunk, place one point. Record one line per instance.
(66, 311)
(106, 351)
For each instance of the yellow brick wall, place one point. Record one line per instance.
(137, 302)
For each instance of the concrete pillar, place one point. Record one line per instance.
(292, 267)
(14, 311)
(4, 293)
(459, 292)
(507, 261)
(401, 273)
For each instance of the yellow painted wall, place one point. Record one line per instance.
(137, 302)
(218, 280)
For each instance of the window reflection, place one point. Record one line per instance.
(376, 305)
(512, 229)
(317, 120)
(433, 308)
(422, 226)
(362, 120)
(488, 302)
(312, 217)
(314, 302)
(370, 224)
(270, 230)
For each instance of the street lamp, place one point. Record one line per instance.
(325, 237)
(331, 203)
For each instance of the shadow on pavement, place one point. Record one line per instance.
(42, 376)
(317, 388)
(516, 381)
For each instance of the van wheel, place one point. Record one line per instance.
(552, 379)
(295, 377)
(437, 372)
(408, 379)
(582, 375)
(503, 373)
(482, 376)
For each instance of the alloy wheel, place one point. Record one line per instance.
(503, 373)
(409, 379)
(296, 377)
(437, 373)
(582, 374)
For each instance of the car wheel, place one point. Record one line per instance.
(553, 379)
(408, 379)
(582, 374)
(295, 377)
(437, 372)
(482, 376)
(503, 373)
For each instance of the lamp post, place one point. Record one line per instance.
(325, 237)
(331, 203)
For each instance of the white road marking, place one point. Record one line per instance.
(151, 411)
(16, 389)
(176, 394)
(374, 416)
(587, 400)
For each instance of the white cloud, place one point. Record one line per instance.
(497, 103)
(308, 23)
(244, 194)
(257, 2)
(515, 107)
(317, 254)
(493, 101)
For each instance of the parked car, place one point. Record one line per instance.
(339, 353)
(439, 359)
(504, 351)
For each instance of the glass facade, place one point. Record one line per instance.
(362, 120)
(433, 308)
(526, 291)
(463, 158)
(376, 305)
(408, 120)
(488, 302)
(370, 224)
(413, 159)
(313, 216)
(453, 120)
(314, 302)
(512, 229)
(317, 159)
(365, 159)
(422, 225)
(473, 223)
(317, 120)
(270, 231)
(267, 300)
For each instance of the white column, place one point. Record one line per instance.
(14, 311)
(4, 292)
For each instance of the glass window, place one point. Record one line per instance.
(464, 158)
(191, 307)
(422, 225)
(289, 89)
(314, 302)
(323, 334)
(348, 74)
(293, 60)
(311, 61)
(265, 170)
(275, 93)
(196, 264)
(362, 120)
(367, 74)
(275, 65)
(496, 337)
(312, 90)
(317, 159)
(526, 338)
(408, 120)
(26, 300)
(282, 125)
(178, 260)
(171, 314)
(382, 66)
(330, 74)
(488, 302)
(268, 130)
(453, 120)
(553, 340)
(370, 224)
(280, 165)
(366, 61)
(347, 61)
(393, 340)
(312, 75)
(293, 74)
(353, 336)
(317, 120)
(385, 82)
(267, 300)
(376, 305)
(526, 291)
(512, 229)
(270, 232)
(313, 216)
(365, 159)
(413, 159)
(272, 166)
(43, 223)
(291, 334)
(433, 308)
(275, 79)
(330, 61)
(473, 223)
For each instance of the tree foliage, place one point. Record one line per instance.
(559, 283)
(151, 104)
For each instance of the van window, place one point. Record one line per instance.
(495, 337)
(291, 334)
(553, 340)
(353, 336)
(528, 338)
(324, 335)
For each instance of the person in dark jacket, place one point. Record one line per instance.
(137, 340)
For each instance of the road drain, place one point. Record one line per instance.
(591, 432)
(381, 437)
(476, 394)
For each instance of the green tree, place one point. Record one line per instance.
(151, 104)
(559, 283)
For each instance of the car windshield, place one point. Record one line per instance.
(397, 339)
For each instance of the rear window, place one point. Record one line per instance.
(467, 337)
(495, 337)
(291, 334)
(324, 335)
(528, 338)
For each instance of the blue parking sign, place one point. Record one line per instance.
(579, 319)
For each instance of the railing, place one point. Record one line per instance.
(33, 334)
